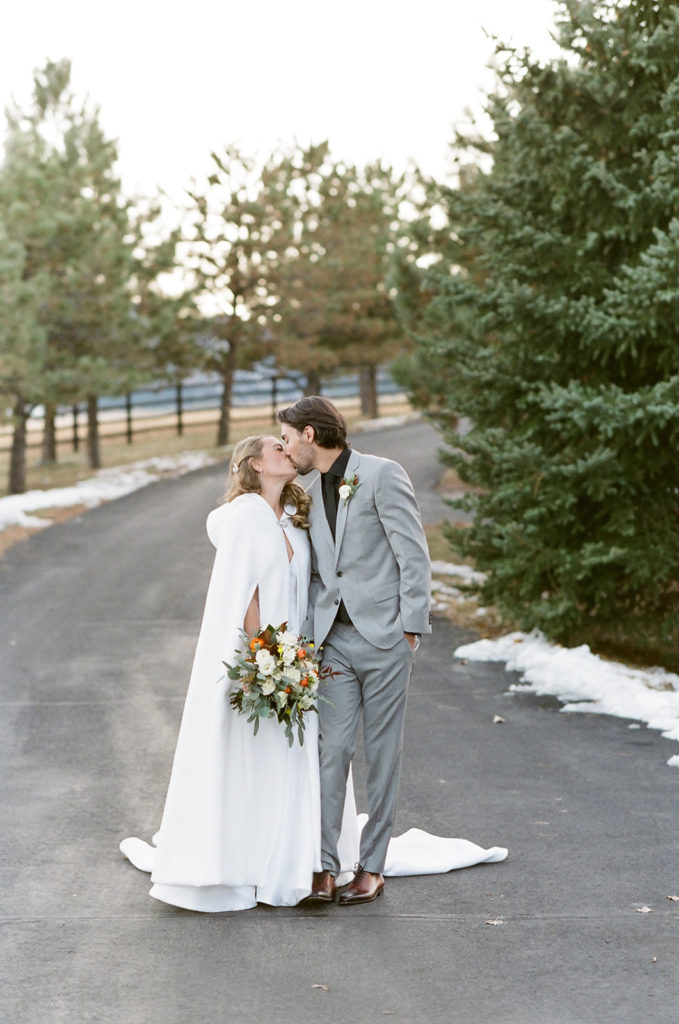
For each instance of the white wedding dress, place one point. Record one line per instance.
(241, 823)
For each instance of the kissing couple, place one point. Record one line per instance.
(249, 818)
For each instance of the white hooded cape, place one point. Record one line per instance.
(241, 814)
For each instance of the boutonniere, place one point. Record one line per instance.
(348, 488)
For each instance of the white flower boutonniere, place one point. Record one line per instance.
(348, 488)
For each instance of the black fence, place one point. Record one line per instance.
(149, 409)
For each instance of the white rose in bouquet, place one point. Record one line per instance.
(265, 662)
(345, 492)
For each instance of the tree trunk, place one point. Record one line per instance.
(228, 370)
(93, 453)
(49, 436)
(313, 383)
(368, 390)
(17, 461)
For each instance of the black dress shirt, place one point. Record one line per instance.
(331, 481)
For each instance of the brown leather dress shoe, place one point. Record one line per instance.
(363, 888)
(323, 888)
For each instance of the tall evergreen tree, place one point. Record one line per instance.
(334, 310)
(555, 303)
(305, 281)
(62, 202)
(231, 248)
(371, 229)
(167, 321)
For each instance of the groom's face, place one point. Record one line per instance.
(299, 447)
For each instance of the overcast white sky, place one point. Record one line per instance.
(379, 78)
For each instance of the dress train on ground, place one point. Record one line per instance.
(416, 852)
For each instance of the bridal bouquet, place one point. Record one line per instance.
(278, 676)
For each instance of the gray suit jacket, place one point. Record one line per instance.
(378, 563)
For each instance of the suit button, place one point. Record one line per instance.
(336, 602)
(340, 574)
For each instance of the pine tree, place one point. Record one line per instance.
(62, 202)
(305, 273)
(334, 310)
(231, 248)
(555, 304)
(167, 322)
(371, 230)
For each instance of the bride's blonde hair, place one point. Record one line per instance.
(245, 480)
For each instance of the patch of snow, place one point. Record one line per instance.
(437, 587)
(465, 572)
(16, 509)
(368, 426)
(584, 681)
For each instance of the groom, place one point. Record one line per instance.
(368, 605)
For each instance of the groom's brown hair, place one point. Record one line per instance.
(330, 429)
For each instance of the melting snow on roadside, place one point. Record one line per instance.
(464, 573)
(444, 592)
(585, 681)
(15, 509)
(368, 426)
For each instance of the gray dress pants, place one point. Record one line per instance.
(371, 684)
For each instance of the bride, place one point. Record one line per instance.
(242, 813)
(241, 823)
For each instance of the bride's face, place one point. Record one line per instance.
(273, 462)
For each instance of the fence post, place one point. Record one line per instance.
(128, 416)
(180, 409)
(75, 439)
(274, 399)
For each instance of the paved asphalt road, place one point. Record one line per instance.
(98, 621)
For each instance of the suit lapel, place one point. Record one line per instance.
(343, 506)
(318, 518)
